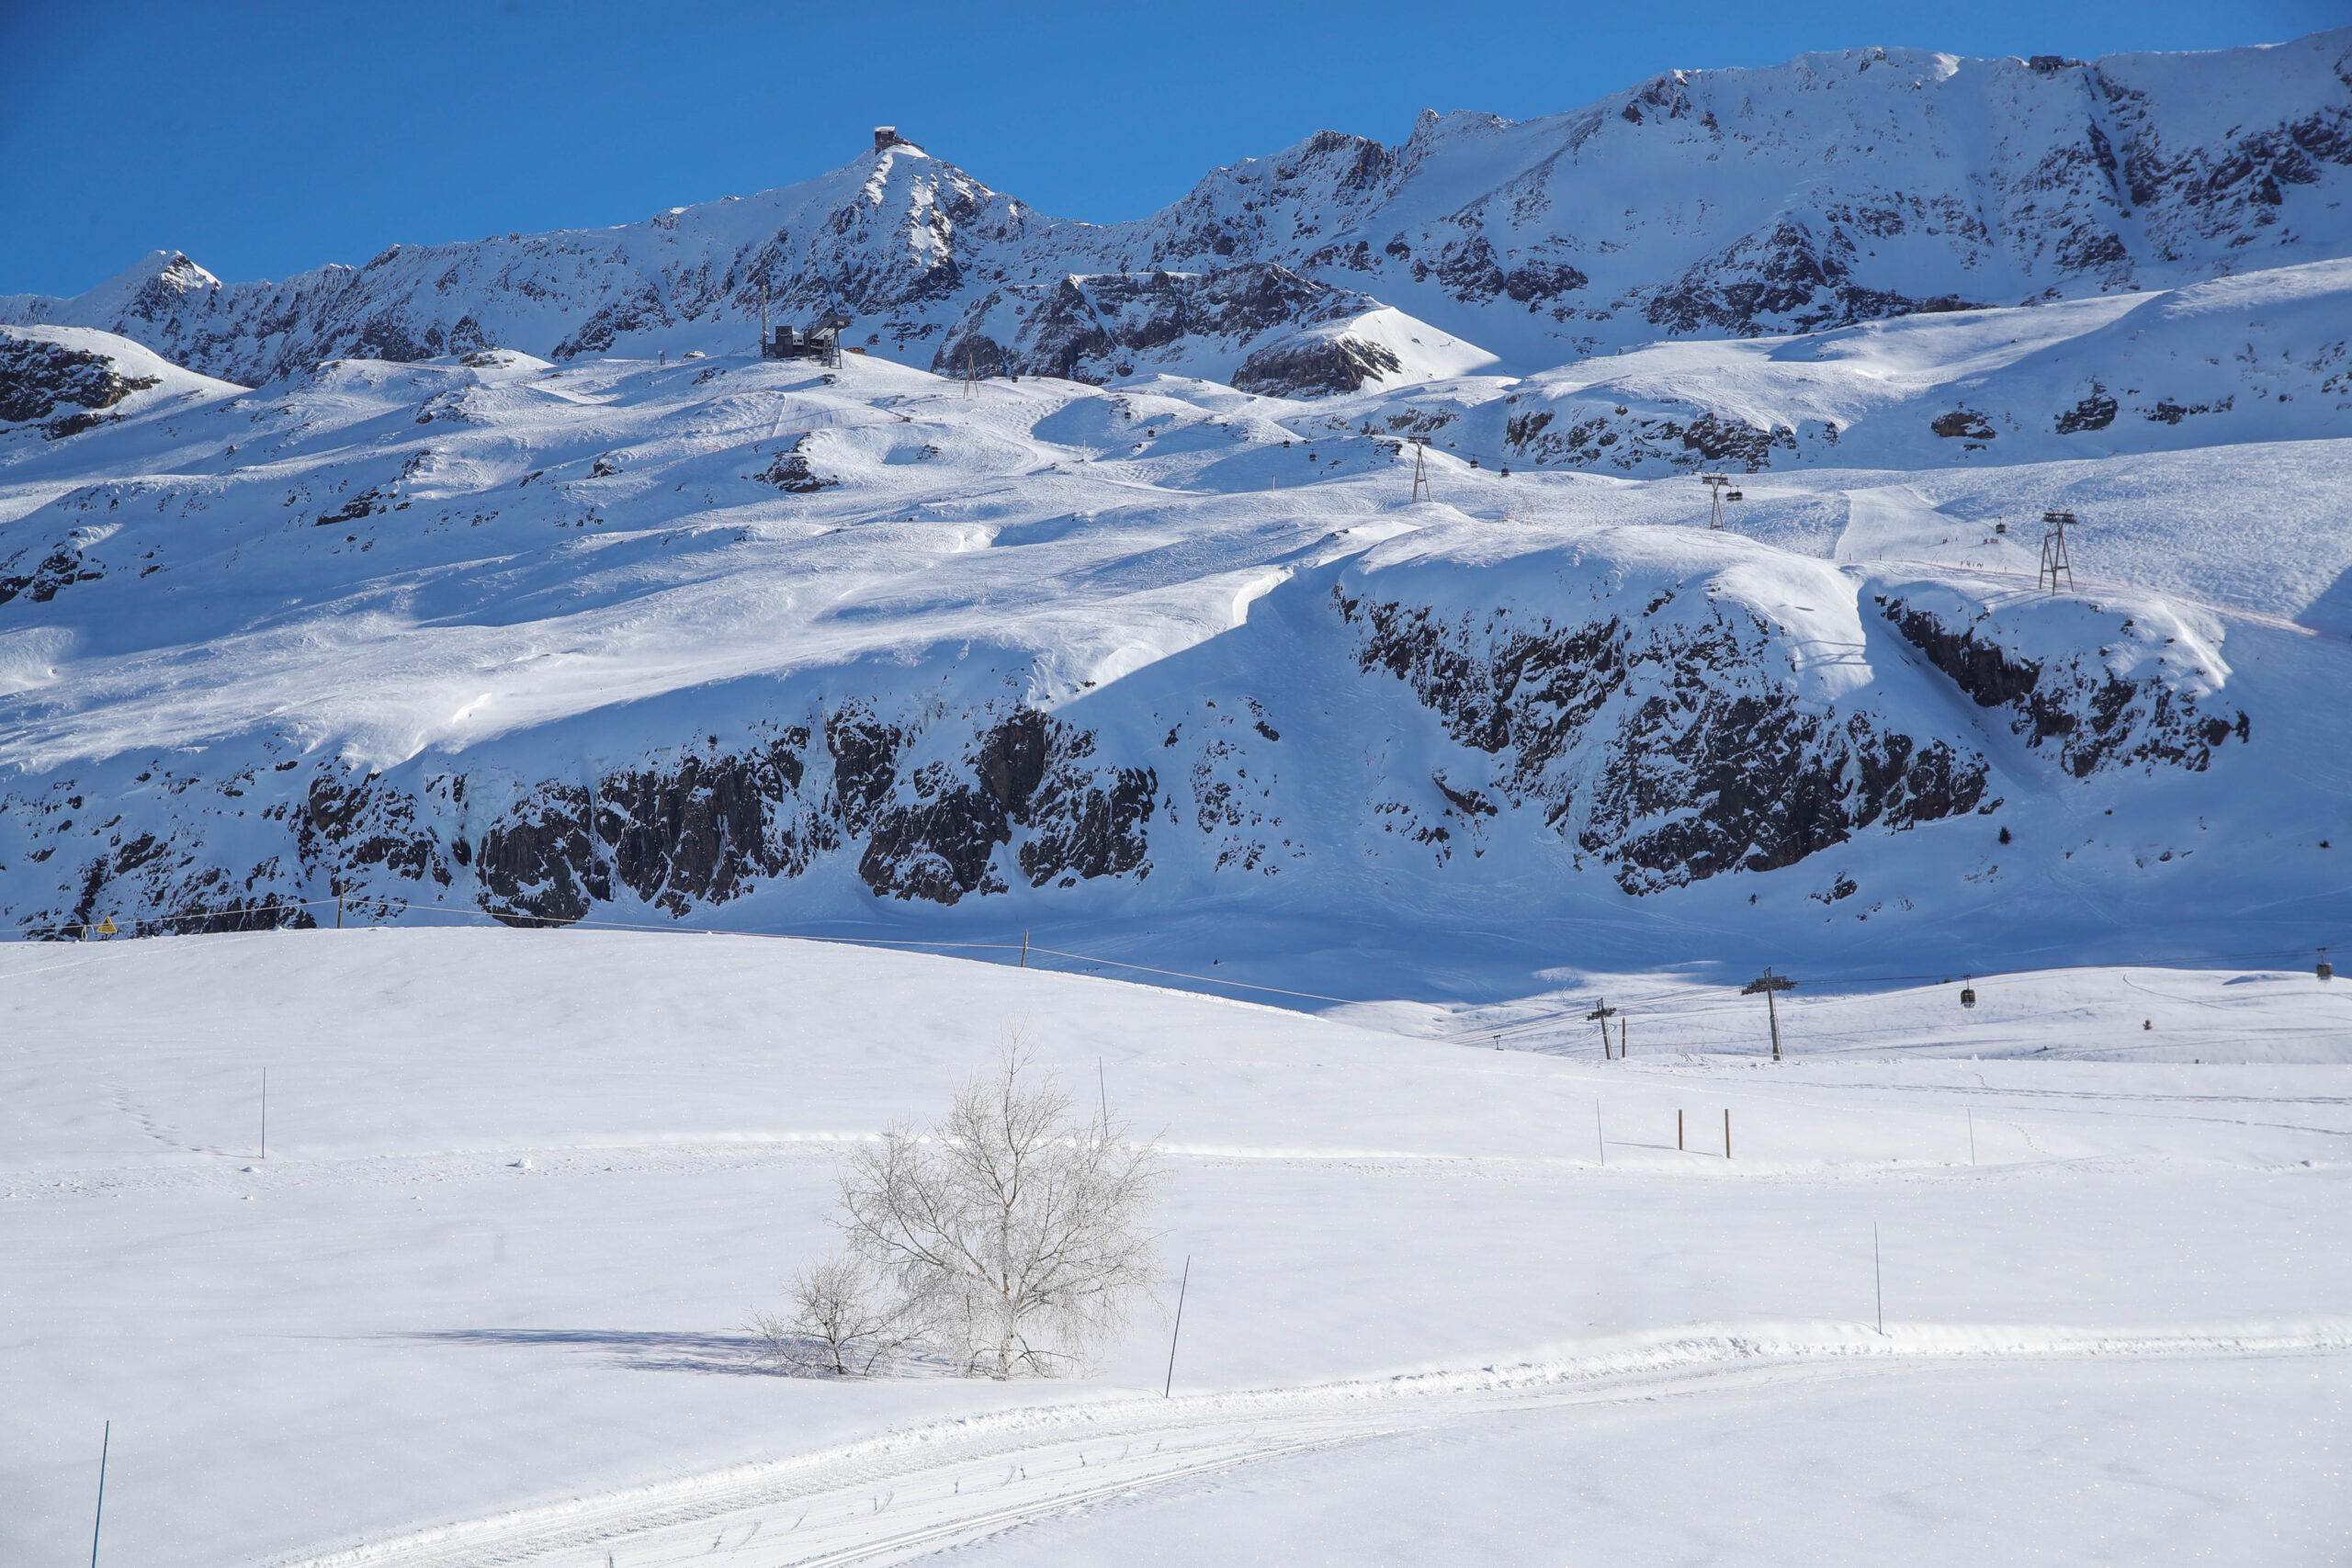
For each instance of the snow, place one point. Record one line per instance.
(481, 1300)
(2258, 357)
(489, 567)
(1308, 821)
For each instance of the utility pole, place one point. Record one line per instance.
(1768, 984)
(1420, 470)
(1602, 1013)
(2053, 552)
(763, 318)
(1716, 484)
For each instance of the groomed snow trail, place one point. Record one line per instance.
(924, 1489)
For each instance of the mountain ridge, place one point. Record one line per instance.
(1734, 202)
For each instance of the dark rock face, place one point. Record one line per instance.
(36, 375)
(707, 829)
(1474, 274)
(937, 837)
(707, 826)
(2095, 412)
(1655, 744)
(1313, 367)
(790, 472)
(1091, 327)
(1787, 279)
(1628, 441)
(63, 566)
(2098, 719)
(716, 825)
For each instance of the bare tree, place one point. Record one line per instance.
(843, 1320)
(1014, 1229)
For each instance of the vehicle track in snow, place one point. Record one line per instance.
(907, 1493)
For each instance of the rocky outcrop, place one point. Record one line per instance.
(1597, 437)
(2091, 717)
(1091, 327)
(38, 378)
(1314, 367)
(934, 833)
(1659, 745)
(41, 580)
(927, 821)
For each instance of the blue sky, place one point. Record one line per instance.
(266, 138)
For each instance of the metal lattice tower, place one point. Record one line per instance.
(1716, 484)
(1420, 470)
(2053, 552)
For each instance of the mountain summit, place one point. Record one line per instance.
(1835, 188)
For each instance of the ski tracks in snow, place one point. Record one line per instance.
(923, 1489)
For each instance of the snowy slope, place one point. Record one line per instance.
(1832, 189)
(2261, 356)
(481, 1301)
(777, 647)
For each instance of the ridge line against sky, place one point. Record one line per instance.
(267, 139)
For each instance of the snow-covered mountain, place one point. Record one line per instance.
(1833, 190)
(1144, 632)
(758, 643)
(2258, 356)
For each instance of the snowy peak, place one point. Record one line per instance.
(1832, 189)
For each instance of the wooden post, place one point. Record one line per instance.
(1678, 1131)
(1025, 950)
(1971, 1137)
(338, 908)
(1727, 1132)
(265, 1114)
(1621, 1039)
(1599, 1141)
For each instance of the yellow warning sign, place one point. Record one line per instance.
(106, 927)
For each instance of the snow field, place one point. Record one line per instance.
(524, 1187)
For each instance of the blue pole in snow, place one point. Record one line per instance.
(1171, 1386)
(104, 1444)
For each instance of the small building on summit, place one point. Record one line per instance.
(820, 341)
